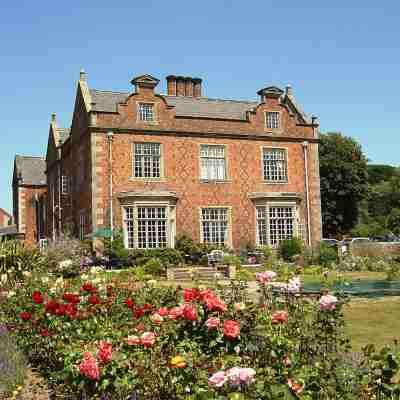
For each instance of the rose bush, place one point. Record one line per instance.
(107, 337)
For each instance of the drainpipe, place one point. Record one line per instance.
(305, 151)
(110, 137)
(59, 197)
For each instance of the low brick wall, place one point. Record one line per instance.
(375, 249)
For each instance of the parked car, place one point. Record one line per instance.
(331, 242)
(346, 243)
(386, 238)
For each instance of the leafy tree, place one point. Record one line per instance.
(380, 172)
(393, 221)
(344, 182)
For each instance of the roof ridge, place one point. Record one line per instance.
(211, 99)
(20, 155)
(109, 91)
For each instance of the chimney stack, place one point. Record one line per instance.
(183, 86)
(271, 92)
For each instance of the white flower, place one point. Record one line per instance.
(65, 264)
(4, 278)
(84, 277)
(10, 294)
(45, 279)
(152, 282)
(27, 274)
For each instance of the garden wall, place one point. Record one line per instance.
(375, 249)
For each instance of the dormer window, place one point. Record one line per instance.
(146, 112)
(272, 120)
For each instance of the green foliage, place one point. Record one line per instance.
(116, 250)
(344, 182)
(229, 259)
(290, 248)
(328, 255)
(154, 267)
(267, 252)
(393, 221)
(13, 365)
(378, 173)
(308, 346)
(357, 264)
(373, 228)
(166, 256)
(187, 245)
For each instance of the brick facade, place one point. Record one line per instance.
(85, 158)
(5, 218)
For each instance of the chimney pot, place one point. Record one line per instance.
(289, 90)
(189, 86)
(197, 87)
(180, 86)
(171, 85)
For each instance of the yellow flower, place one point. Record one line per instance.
(178, 362)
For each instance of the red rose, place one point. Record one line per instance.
(71, 298)
(37, 297)
(279, 317)
(212, 301)
(89, 367)
(129, 302)
(213, 323)
(190, 312)
(147, 307)
(44, 332)
(109, 291)
(61, 310)
(88, 287)
(51, 306)
(70, 310)
(231, 329)
(190, 295)
(105, 352)
(140, 328)
(93, 299)
(138, 312)
(25, 315)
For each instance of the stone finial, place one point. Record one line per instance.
(53, 118)
(289, 90)
(82, 75)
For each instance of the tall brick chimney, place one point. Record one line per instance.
(183, 86)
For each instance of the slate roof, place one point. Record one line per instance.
(104, 101)
(31, 169)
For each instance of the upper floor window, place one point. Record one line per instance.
(147, 162)
(214, 225)
(272, 120)
(275, 165)
(145, 112)
(213, 163)
(64, 184)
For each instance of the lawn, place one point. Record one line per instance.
(373, 321)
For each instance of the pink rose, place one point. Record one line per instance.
(133, 340)
(328, 302)
(105, 352)
(218, 379)
(247, 375)
(175, 312)
(279, 316)
(297, 388)
(190, 312)
(265, 277)
(239, 306)
(233, 374)
(148, 339)
(231, 329)
(213, 323)
(163, 311)
(157, 318)
(89, 367)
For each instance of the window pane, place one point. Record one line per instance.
(273, 120)
(147, 160)
(281, 224)
(215, 225)
(145, 112)
(275, 165)
(213, 164)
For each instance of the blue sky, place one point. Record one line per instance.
(342, 59)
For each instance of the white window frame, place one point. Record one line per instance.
(144, 115)
(267, 222)
(228, 235)
(210, 172)
(170, 213)
(64, 184)
(270, 123)
(285, 151)
(82, 225)
(143, 161)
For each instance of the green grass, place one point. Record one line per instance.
(373, 321)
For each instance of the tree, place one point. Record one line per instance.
(344, 182)
(393, 221)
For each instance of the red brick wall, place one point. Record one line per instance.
(4, 218)
(181, 164)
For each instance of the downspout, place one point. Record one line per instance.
(305, 151)
(59, 197)
(110, 137)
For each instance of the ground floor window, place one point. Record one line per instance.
(82, 225)
(147, 227)
(275, 223)
(215, 225)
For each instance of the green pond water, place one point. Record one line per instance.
(367, 288)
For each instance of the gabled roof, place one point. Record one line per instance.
(3, 211)
(8, 231)
(31, 170)
(62, 135)
(205, 107)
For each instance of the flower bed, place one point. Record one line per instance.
(111, 338)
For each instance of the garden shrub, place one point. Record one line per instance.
(328, 255)
(154, 267)
(356, 264)
(267, 252)
(166, 256)
(229, 259)
(290, 248)
(102, 336)
(13, 365)
(116, 250)
(186, 245)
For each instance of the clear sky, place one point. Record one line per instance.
(341, 58)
